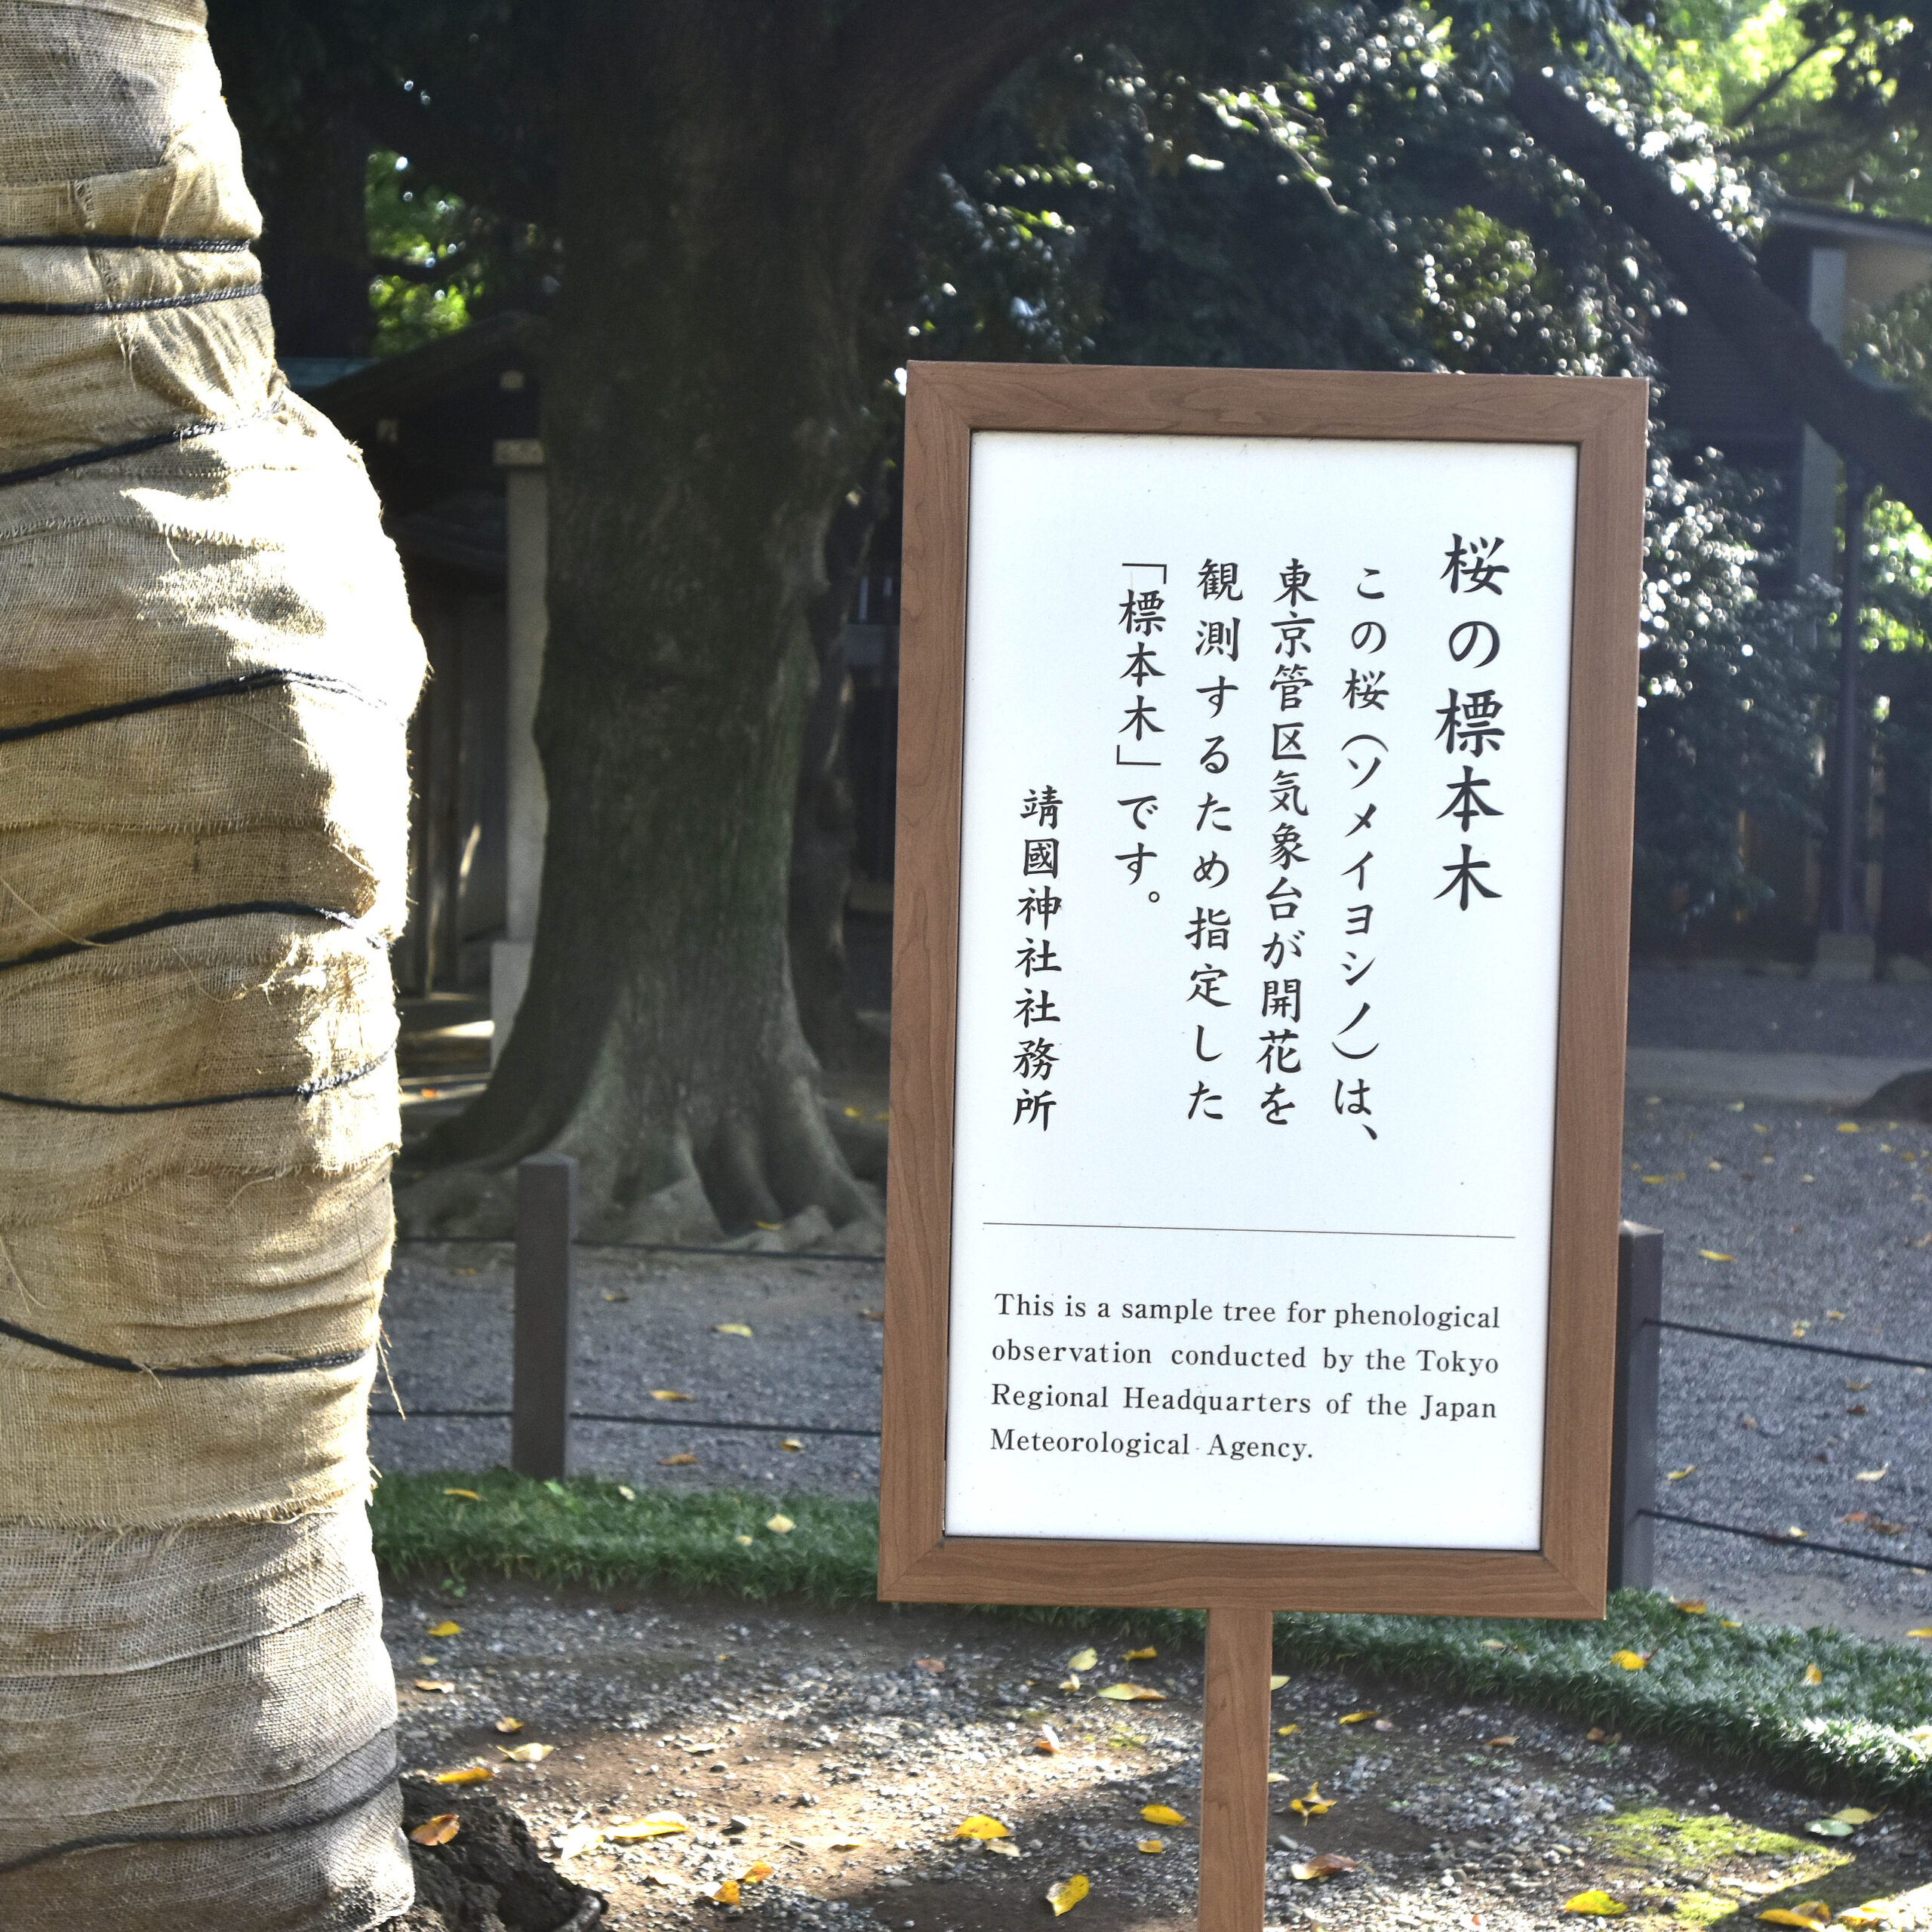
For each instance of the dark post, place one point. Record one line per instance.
(540, 1403)
(1633, 1466)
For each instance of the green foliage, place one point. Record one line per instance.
(1740, 1691)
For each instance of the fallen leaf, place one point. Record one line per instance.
(468, 1495)
(1494, 1644)
(676, 1462)
(1690, 1606)
(1813, 1675)
(1276, 1683)
(1150, 1844)
(1874, 1913)
(509, 1724)
(1794, 1530)
(1828, 1828)
(1858, 1388)
(843, 1844)
(780, 1526)
(1678, 1475)
(793, 1444)
(1287, 1730)
(616, 1294)
(746, 1540)
(1629, 1659)
(1863, 1475)
(1069, 1682)
(1835, 1314)
(444, 1630)
(671, 1396)
(1858, 1409)
(728, 1892)
(1133, 1693)
(653, 1825)
(1855, 1814)
(626, 1492)
(469, 1774)
(1161, 1814)
(755, 1873)
(978, 1825)
(527, 1754)
(1323, 1865)
(576, 1841)
(1596, 1904)
(434, 1683)
(1848, 1126)
(1711, 1254)
(1313, 1805)
(871, 1314)
(1926, 1632)
(439, 1830)
(1356, 1717)
(733, 1328)
(1814, 1913)
(1596, 1735)
(1140, 1655)
(1383, 1724)
(932, 1666)
(1047, 1742)
(1502, 1743)
(1067, 1893)
(1083, 1660)
(1004, 1850)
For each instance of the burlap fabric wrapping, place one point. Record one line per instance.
(206, 665)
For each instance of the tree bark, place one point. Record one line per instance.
(1716, 274)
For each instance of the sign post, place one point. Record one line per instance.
(1266, 742)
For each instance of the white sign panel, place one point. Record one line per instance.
(1261, 895)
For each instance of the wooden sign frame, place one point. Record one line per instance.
(1605, 422)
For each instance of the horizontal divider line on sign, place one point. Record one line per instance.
(1781, 1342)
(176, 245)
(308, 1091)
(217, 1372)
(243, 684)
(195, 299)
(108, 1840)
(647, 1422)
(185, 432)
(1786, 1542)
(1161, 1228)
(193, 915)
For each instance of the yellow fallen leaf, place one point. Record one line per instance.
(1313, 1805)
(1730, 1623)
(1083, 1660)
(1835, 1314)
(1596, 1904)
(576, 1841)
(1286, 1730)
(978, 1825)
(1276, 1683)
(527, 1754)
(671, 1396)
(1848, 1126)
(1067, 1893)
(1133, 1693)
(434, 1683)
(469, 1774)
(1071, 1681)
(1875, 1913)
(1855, 1814)
(439, 1830)
(728, 1892)
(733, 1328)
(1813, 1675)
(468, 1495)
(1140, 1655)
(755, 1874)
(1323, 1865)
(1150, 1844)
(1655, 1180)
(509, 1724)
(626, 1492)
(1357, 1717)
(676, 1462)
(792, 1444)
(1711, 1254)
(1628, 1660)
(1814, 1913)
(653, 1825)
(1005, 1850)
(1494, 1644)
(1863, 1475)
(780, 1526)
(1794, 1530)
(1690, 1606)
(445, 1630)
(1047, 1742)
(1161, 1814)
(843, 1844)
(1926, 1632)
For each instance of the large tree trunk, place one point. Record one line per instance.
(703, 410)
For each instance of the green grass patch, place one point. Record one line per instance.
(1866, 1728)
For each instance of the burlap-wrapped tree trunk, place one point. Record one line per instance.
(206, 665)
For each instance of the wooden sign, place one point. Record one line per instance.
(1266, 743)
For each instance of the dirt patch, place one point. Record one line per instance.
(490, 1876)
(842, 1750)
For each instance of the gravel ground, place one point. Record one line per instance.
(1831, 1233)
(842, 1749)
(1745, 1012)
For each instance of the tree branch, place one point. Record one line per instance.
(1716, 273)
